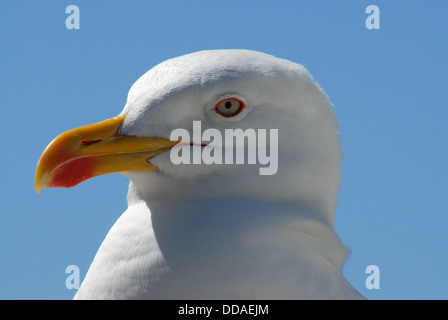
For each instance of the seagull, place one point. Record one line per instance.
(219, 229)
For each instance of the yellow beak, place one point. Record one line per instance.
(93, 150)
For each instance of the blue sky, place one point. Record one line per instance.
(389, 88)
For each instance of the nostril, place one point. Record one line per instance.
(84, 143)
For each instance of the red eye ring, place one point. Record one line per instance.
(229, 107)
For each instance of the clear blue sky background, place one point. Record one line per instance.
(389, 88)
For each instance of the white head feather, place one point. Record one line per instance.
(278, 94)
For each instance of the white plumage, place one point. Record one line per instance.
(223, 231)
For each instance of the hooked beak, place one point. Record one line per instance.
(86, 152)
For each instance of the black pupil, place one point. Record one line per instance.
(228, 105)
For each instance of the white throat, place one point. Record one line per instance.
(218, 249)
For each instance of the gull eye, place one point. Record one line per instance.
(229, 107)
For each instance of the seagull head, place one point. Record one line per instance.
(218, 124)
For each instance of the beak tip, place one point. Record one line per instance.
(39, 181)
(37, 187)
